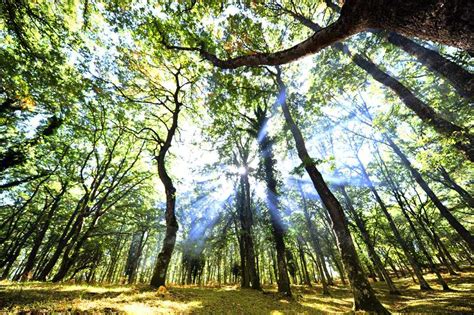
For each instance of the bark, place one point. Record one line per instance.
(14, 250)
(74, 246)
(369, 243)
(410, 255)
(73, 223)
(330, 239)
(404, 205)
(455, 224)
(335, 261)
(424, 223)
(364, 296)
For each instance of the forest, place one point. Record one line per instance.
(241, 156)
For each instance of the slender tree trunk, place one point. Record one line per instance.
(432, 238)
(392, 265)
(408, 253)
(369, 243)
(74, 223)
(398, 197)
(450, 183)
(364, 296)
(159, 273)
(455, 224)
(246, 219)
(420, 242)
(40, 236)
(278, 228)
(304, 266)
(134, 254)
(330, 238)
(314, 242)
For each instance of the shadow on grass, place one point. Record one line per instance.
(42, 298)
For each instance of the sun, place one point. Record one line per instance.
(242, 170)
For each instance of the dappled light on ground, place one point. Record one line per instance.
(47, 297)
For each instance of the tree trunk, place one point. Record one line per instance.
(247, 222)
(40, 236)
(408, 253)
(278, 229)
(443, 21)
(134, 254)
(369, 243)
(464, 140)
(314, 242)
(461, 79)
(420, 242)
(398, 197)
(450, 183)
(455, 224)
(304, 266)
(159, 273)
(364, 296)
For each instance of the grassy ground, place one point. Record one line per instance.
(41, 298)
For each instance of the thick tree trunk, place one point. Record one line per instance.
(369, 243)
(464, 140)
(461, 79)
(406, 250)
(455, 224)
(445, 21)
(364, 296)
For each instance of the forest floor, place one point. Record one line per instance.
(43, 298)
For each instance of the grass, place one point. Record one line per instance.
(41, 298)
